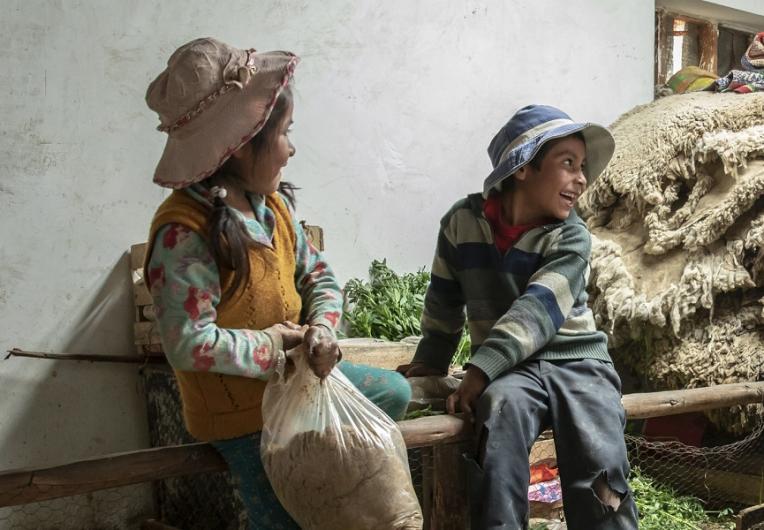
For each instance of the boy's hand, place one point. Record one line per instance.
(323, 351)
(467, 394)
(418, 370)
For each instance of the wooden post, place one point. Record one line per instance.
(450, 510)
(426, 487)
(708, 41)
(315, 235)
(663, 30)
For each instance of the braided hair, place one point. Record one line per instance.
(228, 236)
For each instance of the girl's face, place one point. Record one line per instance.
(261, 172)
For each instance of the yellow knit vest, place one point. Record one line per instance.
(217, 406)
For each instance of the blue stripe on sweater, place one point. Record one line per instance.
(521, 263)
(450, 290)
(476, 255)
(484, 256)
(549, 301)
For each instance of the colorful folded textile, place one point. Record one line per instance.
(543, 472)
(739, 81)
(549, 491)
(754, 55)
(691, 79)
(747, 65)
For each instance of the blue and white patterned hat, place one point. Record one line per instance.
(531, 127)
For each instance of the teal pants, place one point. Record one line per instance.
(388, 390)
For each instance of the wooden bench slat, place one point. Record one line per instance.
(146, 465)
(85, 476)
(669, 402)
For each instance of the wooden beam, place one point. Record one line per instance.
(670, 402)
(111, 471)
(137, 255)
(749, 517)
(85, 476)
(375, 352)
(434, 430)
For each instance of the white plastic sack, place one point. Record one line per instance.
(334, 459)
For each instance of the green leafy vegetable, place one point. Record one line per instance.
(661, 508)
(427, 411)
(389, 306)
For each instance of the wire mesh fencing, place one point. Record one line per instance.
(190, 502)
(122, 508)
(727, 474)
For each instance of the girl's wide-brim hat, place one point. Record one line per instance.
(531, 127)
(212, 99)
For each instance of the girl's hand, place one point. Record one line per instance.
(418, 370)
(292, 335)
(322, 349)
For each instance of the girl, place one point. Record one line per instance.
(234, 280)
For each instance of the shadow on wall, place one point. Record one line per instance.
(63, 410)
(58, 411)
(105, 326)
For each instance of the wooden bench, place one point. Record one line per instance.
(443, 433)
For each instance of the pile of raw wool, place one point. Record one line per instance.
(678, 240)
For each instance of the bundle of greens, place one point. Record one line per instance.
(660, 507)
(389, 306)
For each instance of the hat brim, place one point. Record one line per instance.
(196, 150)
(600, 146)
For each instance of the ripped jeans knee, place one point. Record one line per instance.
(608, 496)
(613, 505)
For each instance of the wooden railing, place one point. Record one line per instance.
(442, 433)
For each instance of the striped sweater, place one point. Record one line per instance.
(528, 303)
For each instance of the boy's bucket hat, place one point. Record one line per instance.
(531, 127)
(211, 99)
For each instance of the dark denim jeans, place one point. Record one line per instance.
(581, 401)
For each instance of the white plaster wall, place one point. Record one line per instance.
(750, 6)
(396, 103)
(745, 15)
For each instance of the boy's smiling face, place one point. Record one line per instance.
(552, 190)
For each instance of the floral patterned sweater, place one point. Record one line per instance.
(185, 301)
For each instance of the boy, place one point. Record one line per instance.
(517, 258)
